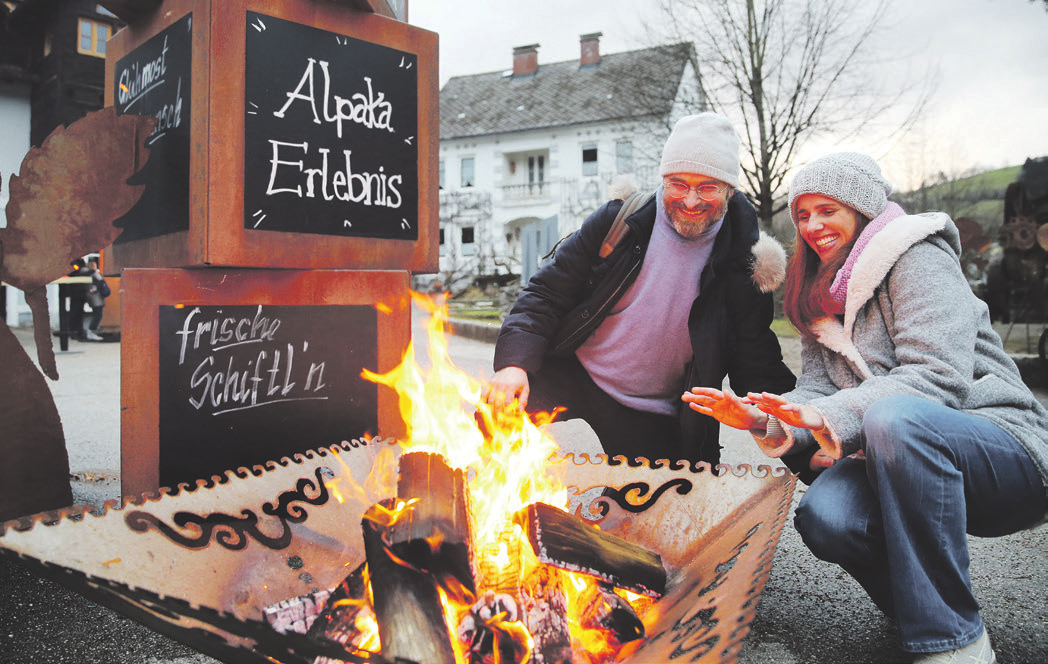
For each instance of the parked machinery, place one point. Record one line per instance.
(1017, 287)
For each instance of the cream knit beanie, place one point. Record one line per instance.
(705, 144)
(849, 177)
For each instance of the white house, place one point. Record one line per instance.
(526, 154)
(14, 143)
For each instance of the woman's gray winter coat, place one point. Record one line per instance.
(913, 326)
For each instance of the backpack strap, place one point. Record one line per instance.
(618, 227)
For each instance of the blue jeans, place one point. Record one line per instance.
(897, 521)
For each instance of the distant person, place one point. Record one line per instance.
(78, 300)
(910, 421)
(685, 298)
(97, 292)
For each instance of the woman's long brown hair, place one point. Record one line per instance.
(806, 296)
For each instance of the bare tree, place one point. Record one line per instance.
(789, 71)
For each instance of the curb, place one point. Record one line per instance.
(471, 329)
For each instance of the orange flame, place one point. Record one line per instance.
(441, 409)
(506, 456)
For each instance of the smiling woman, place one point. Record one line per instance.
(826, 225)
(910, 422)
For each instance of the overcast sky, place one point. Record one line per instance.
(990, 107)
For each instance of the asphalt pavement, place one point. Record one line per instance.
(809, 613)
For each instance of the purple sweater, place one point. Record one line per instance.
(639, 353)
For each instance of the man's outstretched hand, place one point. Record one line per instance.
(507, 386)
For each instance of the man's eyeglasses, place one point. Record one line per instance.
(706, 192)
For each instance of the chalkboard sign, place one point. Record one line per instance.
(154, 79)
(241, 385)
(330, 133)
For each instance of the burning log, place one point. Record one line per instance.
(565, 541)
(603, 610)
(411, 551)
(407, 603)
(435, 534)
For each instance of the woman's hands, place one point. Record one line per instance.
(507, 386)
(793, 414)
(726, 407)
(752, 411)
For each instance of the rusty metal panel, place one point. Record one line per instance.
(206, 566)
(217, 234)
(62, 204)
(145, 292)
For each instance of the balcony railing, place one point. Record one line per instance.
(533, 191)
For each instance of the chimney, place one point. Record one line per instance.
(525, 59)
(589, 47)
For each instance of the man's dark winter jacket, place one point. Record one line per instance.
(729, 322)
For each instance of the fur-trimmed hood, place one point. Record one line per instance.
(769, 263)
(877, 259)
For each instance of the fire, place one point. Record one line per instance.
(506, 455)
(508, 467)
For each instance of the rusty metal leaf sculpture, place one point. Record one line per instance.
(62, 205)
(68, 193)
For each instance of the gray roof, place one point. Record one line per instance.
(634, 84)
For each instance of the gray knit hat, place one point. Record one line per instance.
(849, 177)
(705, 144)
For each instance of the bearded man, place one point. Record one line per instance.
(683, 300)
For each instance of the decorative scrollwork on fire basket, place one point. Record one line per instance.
(234, 532)
(600, 506)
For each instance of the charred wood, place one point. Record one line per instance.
(435, 534)
(407, 603)
(345, 609)
(604, 610)
(563, 540)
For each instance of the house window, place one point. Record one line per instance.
(442, 174)
(467, 172)
(624, 157)
(441, 242)
(92, 38)
(589, 160)
(537, 169)
(469, 247)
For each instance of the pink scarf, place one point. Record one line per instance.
(839, 288)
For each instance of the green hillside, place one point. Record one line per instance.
(979, 196)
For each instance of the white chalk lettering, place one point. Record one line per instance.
(276, 162)
(344, 184)
(141, 77)
(370, 110)
(236, 382)
(307, 77)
